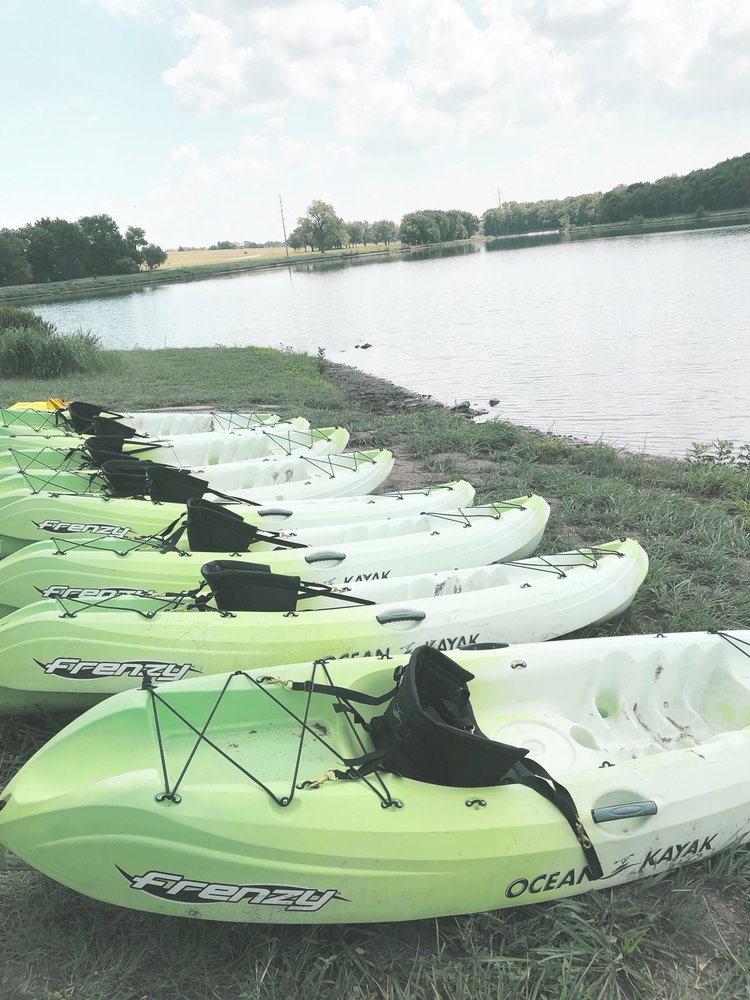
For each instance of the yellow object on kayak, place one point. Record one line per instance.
(53, 403)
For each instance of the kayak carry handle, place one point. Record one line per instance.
(474, 646)
(274, 512)
(318, 557)
(401, 616)
(625, 810)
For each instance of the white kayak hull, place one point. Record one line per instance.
(43, 650)
(348, 553)
(45, 515)
(649, 734)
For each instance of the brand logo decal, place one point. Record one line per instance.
(382, 654)
(677, 852)
(453, 642)
(87, 670)
(165, 885)
(90, 594)
(548, 881)
(78, 527)
(381, 574)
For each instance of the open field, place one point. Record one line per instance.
(205, 266)
(264, 255)
(197, 258)
(683, 935)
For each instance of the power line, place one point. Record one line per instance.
(283, 224)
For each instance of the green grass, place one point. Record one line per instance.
(225, 377)
(33, 347)
(681, 935)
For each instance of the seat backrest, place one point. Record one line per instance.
(213, 528)
(430, 732)
(241, 586)
(167, 484)
(81, 416)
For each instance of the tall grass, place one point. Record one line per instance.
(28, 352)
(32, 347)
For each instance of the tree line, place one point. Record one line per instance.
(723, 186)
(323, 229)
(58, 250)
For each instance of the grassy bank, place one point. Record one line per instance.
(181, 267)
(680, 935)
(669, 223)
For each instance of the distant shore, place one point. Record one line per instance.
(274, 258)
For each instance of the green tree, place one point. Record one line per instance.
(355, 230)
(326, 228)
(384, 231)
(108, 253)
(153, 256)
(14, 267)
(55, 248)
(301, 237)
(40, 251)
(136, 242)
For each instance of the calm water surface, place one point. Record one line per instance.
(641, 340)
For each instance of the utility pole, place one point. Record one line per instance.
(283, 224)
(499, 200)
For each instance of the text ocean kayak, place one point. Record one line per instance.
(214, 797)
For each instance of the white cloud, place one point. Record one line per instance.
(680, 44)
(389, 72)
(296, 155)
(414, 72)
(256, 142)
(185, 152)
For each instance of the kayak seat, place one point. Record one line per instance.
(81, 416)
(241, 586)
(444, 744)
(167, 484)
(103, 449)
(126, 477)
(429, 733)
(108, 426)
(213, 528)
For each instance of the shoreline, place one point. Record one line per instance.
(124, 284)
(392, 396)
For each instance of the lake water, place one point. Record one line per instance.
(642, 341)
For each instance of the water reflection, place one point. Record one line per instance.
(438, 253)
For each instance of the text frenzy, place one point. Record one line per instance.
(79, 528)
(73, 668)
(179, 889)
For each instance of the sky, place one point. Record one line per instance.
(191, 118)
